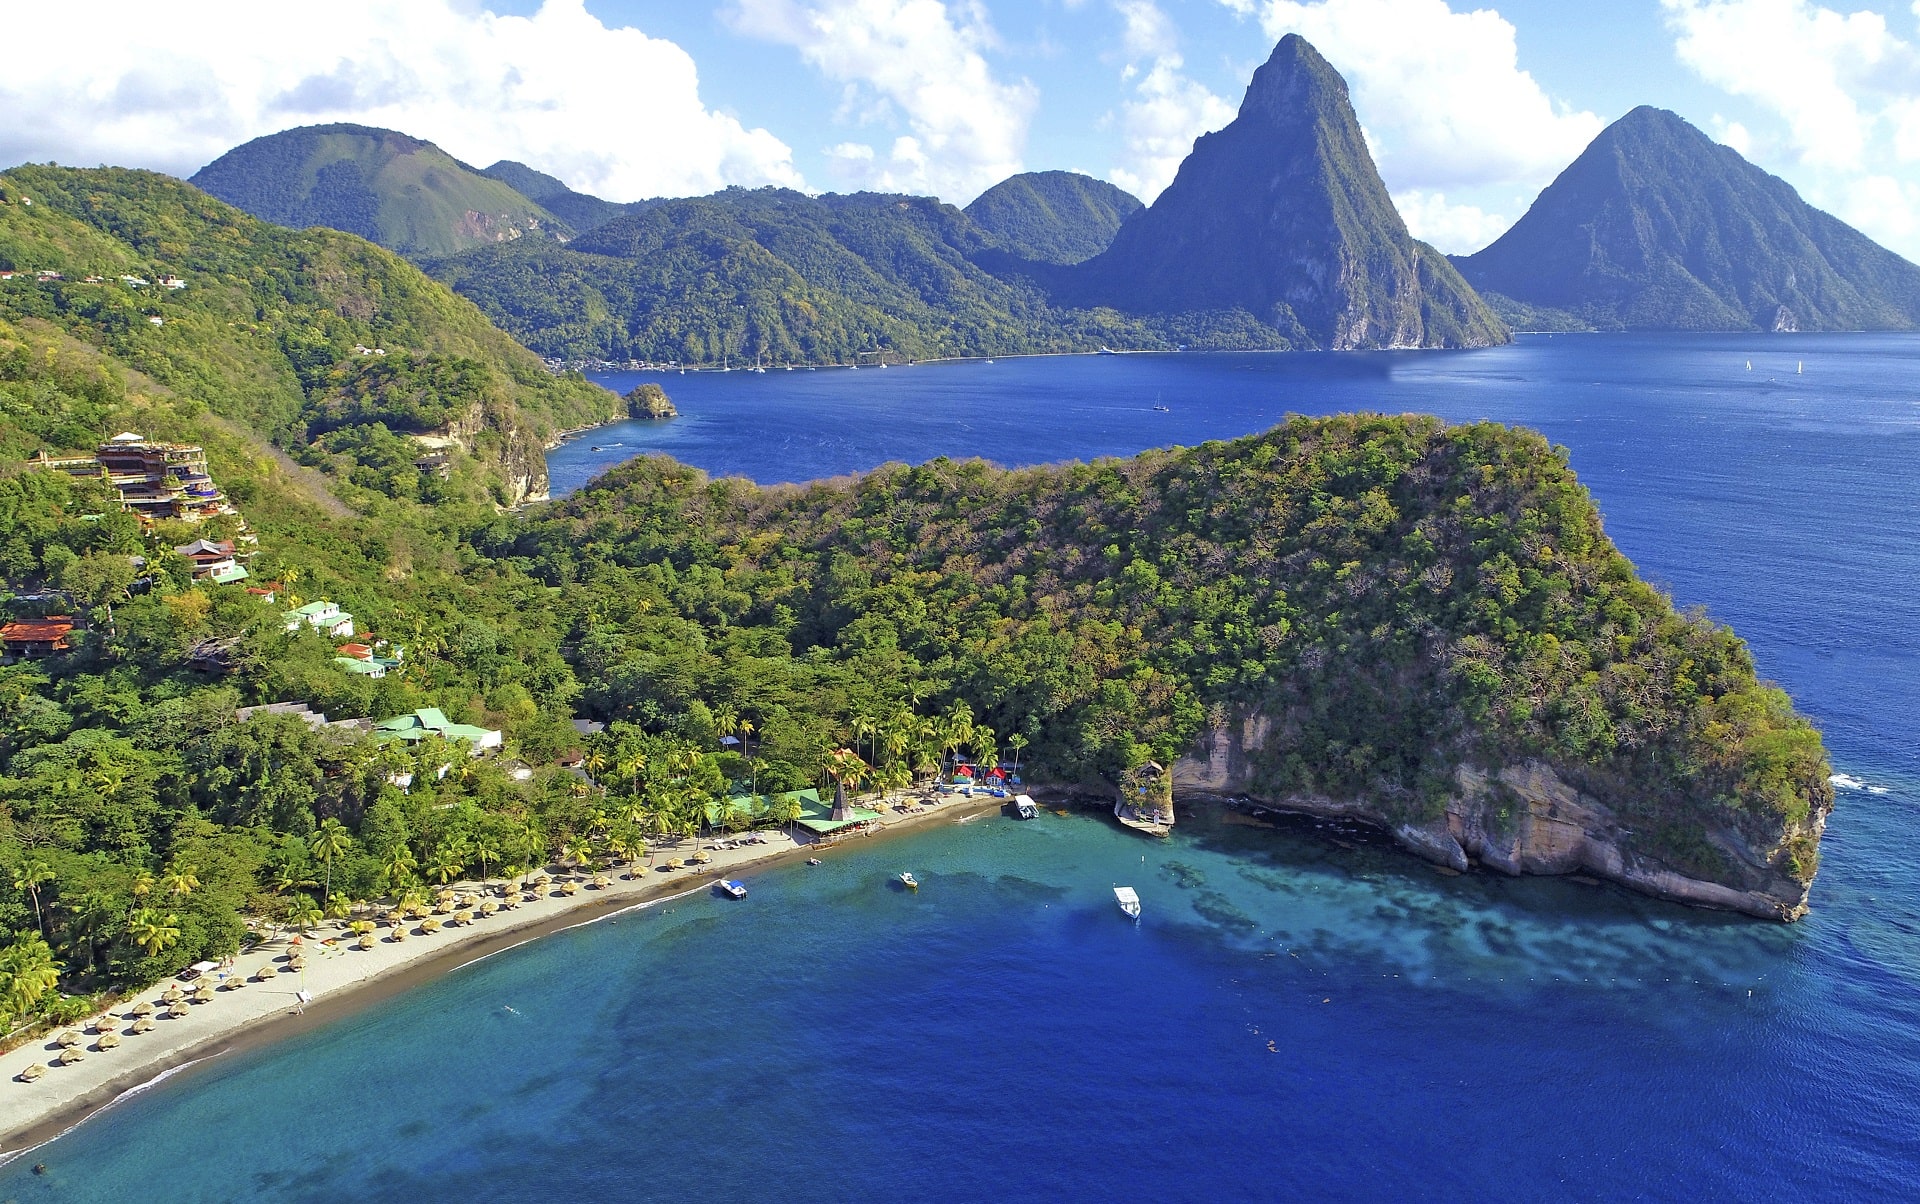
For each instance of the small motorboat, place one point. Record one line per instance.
(909, 881)
(732, 888)
(1129, 901)
(815, 861)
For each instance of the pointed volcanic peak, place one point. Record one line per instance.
(1283, 214)
(406, 194)
(1059, 217)
(1657, 227)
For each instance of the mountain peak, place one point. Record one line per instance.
(1283, 215)
(1295, 80)
(1658, 227)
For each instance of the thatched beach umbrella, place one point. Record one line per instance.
(69, 1056)
(67, 1040)
(465, 899)
(443, 906)
(177, 1012)
(365, 941)
(489, 906)
(234, 982)
(463, 916)
(103, 1023)
(570, 887)
(173, 995)
(32, 1073)
(109, 1040)
(204, 992)
(264, 973)
(600, 882)
(399, 933)
(396, 916)
(429, 925)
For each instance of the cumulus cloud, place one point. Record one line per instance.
(1456, 229)
(1827, 75)
(1441, 93)
(1166, 109)
(917, 62)
(609, 110)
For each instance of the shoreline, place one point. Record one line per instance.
(263, 1013)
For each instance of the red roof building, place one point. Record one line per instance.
(37, 637)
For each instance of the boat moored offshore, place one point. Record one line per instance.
(1129, 900)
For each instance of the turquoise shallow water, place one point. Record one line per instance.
(1006, 1034)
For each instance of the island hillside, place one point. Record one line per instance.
(1059, 217)
(1421, 625)
(1657, 227)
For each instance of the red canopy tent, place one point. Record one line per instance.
(965, 771)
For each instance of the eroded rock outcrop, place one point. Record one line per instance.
(1522, 818)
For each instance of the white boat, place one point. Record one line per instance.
(1129, 901)
(732, 888)
(1025, 807)
(909, 881)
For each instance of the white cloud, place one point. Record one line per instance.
(920, 61)
(609, 110)
(1456, 229)
(1441, 93)
(1824, 73)
(1167, 109)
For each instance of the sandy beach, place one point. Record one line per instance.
(244, 1011)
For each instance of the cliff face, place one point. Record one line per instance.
(1523, 818)
(1283, 214)
(514, 454)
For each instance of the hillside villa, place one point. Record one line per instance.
(325, 617)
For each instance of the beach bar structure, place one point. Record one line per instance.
(817, 815)
(154, 480)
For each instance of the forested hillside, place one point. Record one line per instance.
(1058, 217)
(778, 276)
(289, 336)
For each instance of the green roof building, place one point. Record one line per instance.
(432, 721)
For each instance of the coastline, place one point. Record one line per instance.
(344, 982)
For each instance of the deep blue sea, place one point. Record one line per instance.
(1303, 1012)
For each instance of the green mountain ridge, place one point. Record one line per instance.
(578, 210)
(1054, 217)
(1283, 215)
(399, 191)
(321, 345)
(778, 276)
(1657, 227)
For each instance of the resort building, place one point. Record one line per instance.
(818, 816)
(431, 721)
(323, 616)
(154, 480)
(213, 561)
(372, 658)
(31, 638)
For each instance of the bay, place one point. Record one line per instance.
(1005, 1033)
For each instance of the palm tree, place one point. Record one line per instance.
(745, 727)
(864, 728)
(142, 884)
(487, 852)
(329, 842)
(400, 867)
(447, 863)
(1018, 743)
(29, 972)
(179, 881)
(28, 878)
(304, 915)
(152, 931)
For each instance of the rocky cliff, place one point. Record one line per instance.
(1282, 214)
(1522, 818)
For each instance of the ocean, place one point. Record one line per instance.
(1303, 1011)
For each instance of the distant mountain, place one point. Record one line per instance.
(1059, 217)
(399, 191)
(770, 274)
(577, 209)
(1657, 227)
(1282, 214)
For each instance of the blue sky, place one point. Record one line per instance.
(1470, 110)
